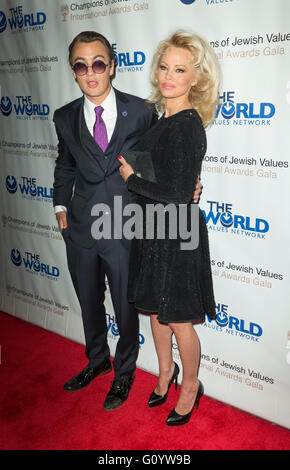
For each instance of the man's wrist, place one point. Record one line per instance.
(59, 209)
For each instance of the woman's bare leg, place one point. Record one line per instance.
(162, 335)
(189, 350)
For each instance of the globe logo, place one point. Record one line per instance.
(228, 110)
(29, 109)
(187, 2)
(114, 329)
(226, 219)
(33, 190)
(6, 105)
(11, 184)
(222, 319)
(36, 266)
(3, 22)
(16, 257)
(20, 21)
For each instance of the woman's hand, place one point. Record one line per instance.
(197, 190)
(125, 170)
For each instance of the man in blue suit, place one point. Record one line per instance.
(92, 131)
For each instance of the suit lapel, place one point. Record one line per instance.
(120, 133)
(121, 128)
(76, 120)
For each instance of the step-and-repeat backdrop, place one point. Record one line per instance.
(246, 352)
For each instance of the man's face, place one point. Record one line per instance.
(96, 86)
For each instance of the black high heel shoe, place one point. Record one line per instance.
(174, 419)
(156, 400)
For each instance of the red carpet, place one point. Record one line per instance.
(36, 414)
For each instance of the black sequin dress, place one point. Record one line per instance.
(164, 278)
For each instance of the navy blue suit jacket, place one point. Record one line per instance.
(84, 174)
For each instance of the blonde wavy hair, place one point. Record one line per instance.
(204, 96)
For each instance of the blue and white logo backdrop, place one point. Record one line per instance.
(246, 351)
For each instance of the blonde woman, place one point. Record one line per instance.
(172, 284)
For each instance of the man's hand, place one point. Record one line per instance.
(197, 191)
(61, 220)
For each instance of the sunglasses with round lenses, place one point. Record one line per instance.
(97, 67)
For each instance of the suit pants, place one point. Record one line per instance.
(88, 268)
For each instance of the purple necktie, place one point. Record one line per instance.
(100, 131)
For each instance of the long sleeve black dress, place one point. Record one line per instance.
(163, 278)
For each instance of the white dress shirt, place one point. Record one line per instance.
(109, 116)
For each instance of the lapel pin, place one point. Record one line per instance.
(124, 113)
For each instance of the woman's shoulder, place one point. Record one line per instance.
(189, 116)
(187, 130)
(187, 122)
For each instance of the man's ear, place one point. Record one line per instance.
(112, 68)
(74, 75)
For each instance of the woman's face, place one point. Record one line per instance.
(176, 74)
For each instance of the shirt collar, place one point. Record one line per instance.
(109, 104)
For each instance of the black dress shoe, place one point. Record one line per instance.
(119, 392)
(174, 419)
(84, 378)
(156, 400)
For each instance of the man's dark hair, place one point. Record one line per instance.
(91, 36)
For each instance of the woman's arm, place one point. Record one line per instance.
(182, 147)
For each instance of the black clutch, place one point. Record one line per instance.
(141, 163)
